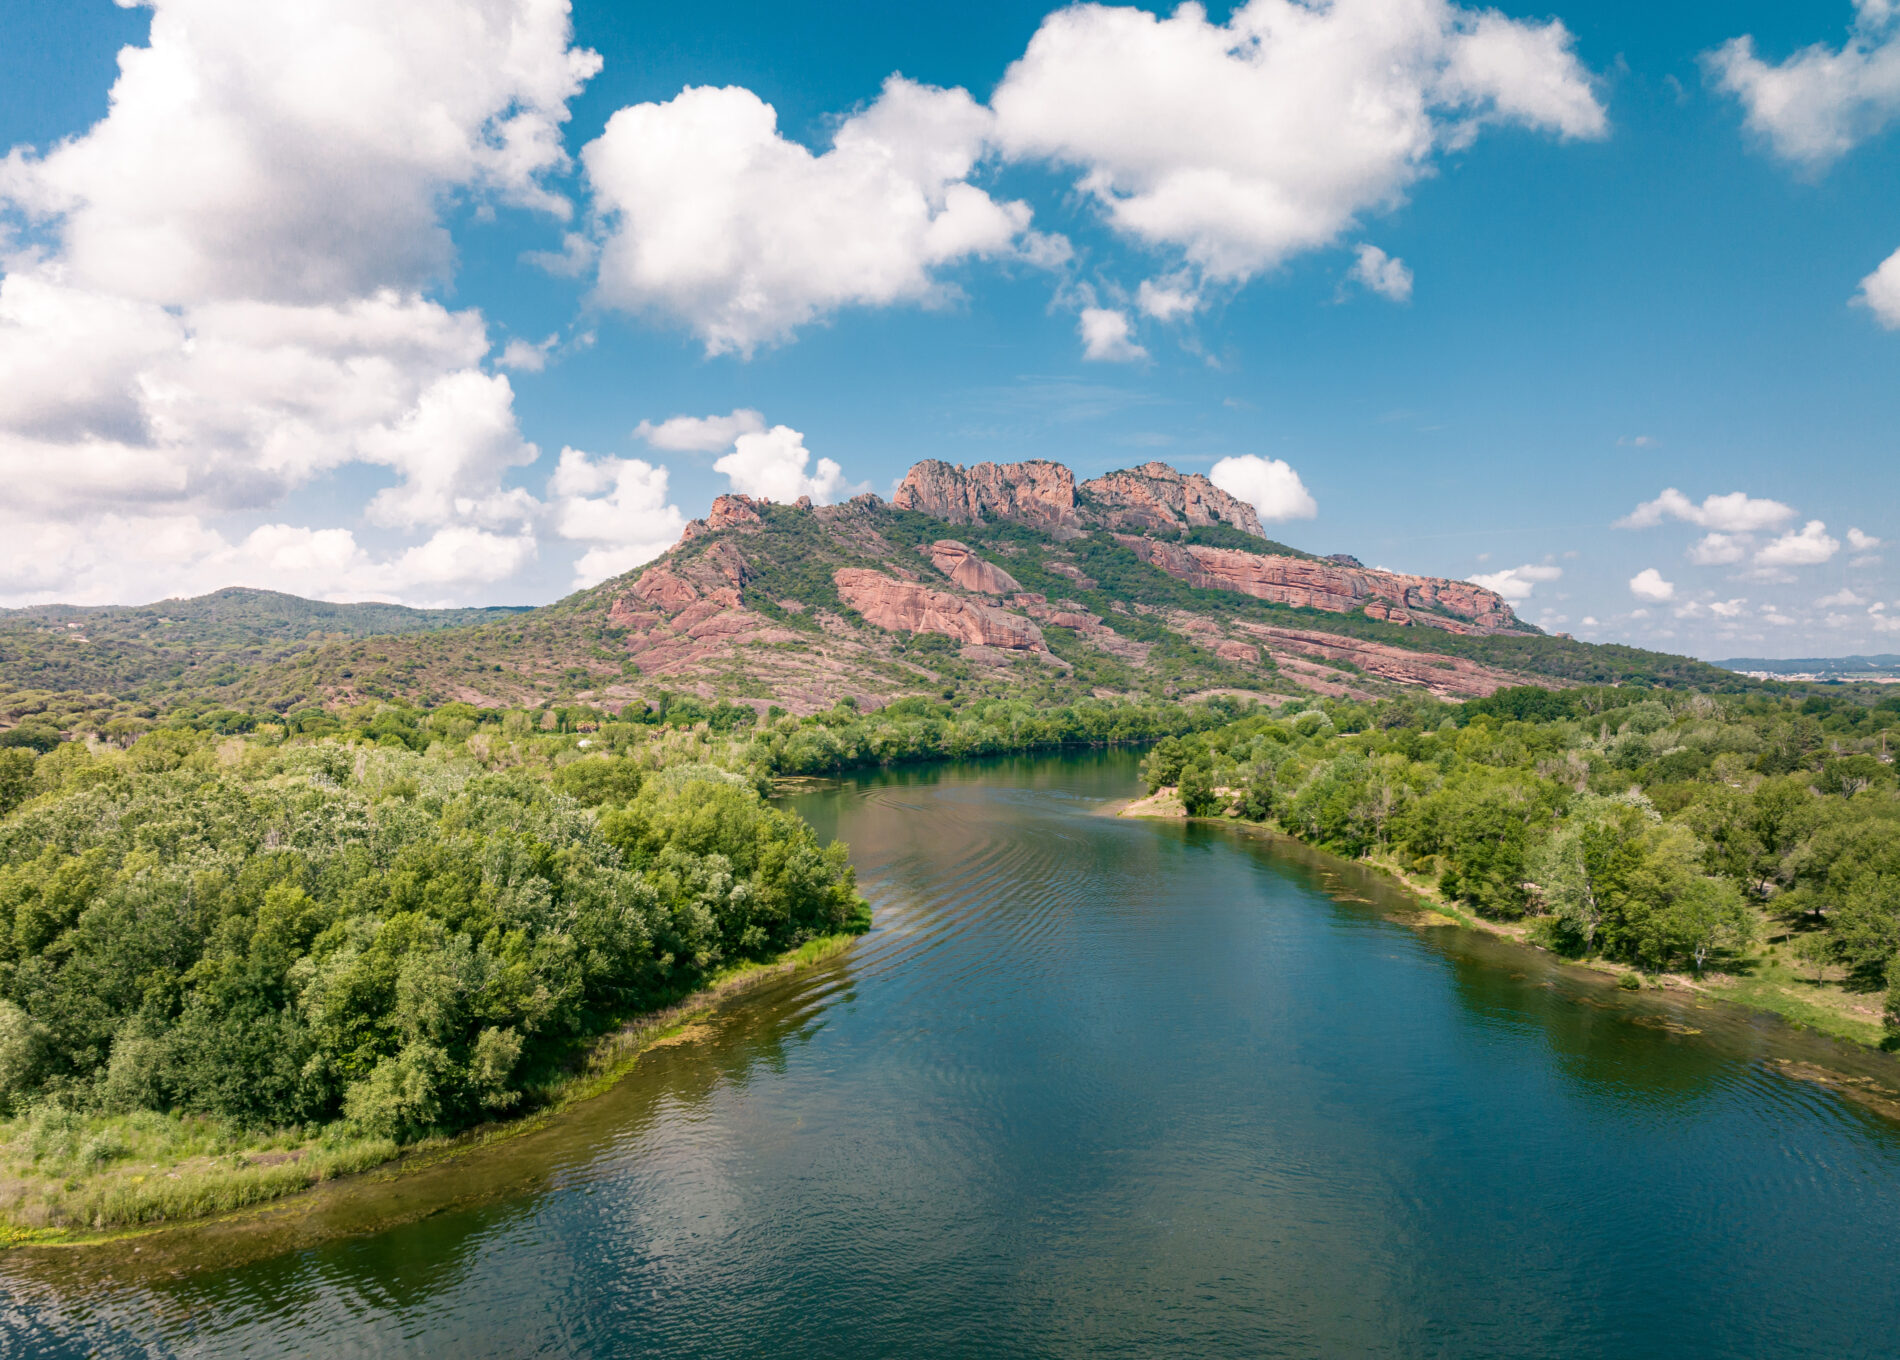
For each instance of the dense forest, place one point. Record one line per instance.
(1668, 831)
(349, 940)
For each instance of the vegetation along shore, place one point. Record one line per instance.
(1748, 845)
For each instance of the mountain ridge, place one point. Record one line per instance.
(1139, 584)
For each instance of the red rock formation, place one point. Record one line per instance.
(901, 607)
(728, 512)
(963, 566)
(1155, 496)
(1461, 606)
(1037, 492)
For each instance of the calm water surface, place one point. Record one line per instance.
(1095, 1087)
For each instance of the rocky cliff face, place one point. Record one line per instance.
(1038, 493)
(1043, 494)
(1155, 496)
(1431, 601)
(964, 567)
(903, 607)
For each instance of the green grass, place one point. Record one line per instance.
(1768, 982)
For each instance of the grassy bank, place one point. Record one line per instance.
(1771, 979)
(69, 1179)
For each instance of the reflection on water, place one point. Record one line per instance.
(1094, 1087)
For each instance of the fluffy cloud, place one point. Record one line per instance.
(718, 221)
(88, 563)
(1840, 599)
(216, 294)
(1734, 513)
(1861, 542)
(1719, 550)
(299, 152)
(771, 464)
(1244, 143)
(1880, 291)
(1107, 336)
(1648, 584)
(1728, 609)
(1270, 485)
(619, 507)
(1806, 547)
(1384, 274)
(700, 434)
(1167, 299)
(1516, 583)
(1820, 103)
(1815, 106)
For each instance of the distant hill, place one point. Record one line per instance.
(147, 651)
(998, 579)
(1828, 667)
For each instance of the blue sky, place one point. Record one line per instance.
(1625, 265)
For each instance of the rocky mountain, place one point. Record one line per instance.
(1045, 495)
(994, 579)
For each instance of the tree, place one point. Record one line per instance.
(1582, 867)
(1197, 789)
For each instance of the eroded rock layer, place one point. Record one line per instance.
(1457, 606)
(902, 607)
(964, 567)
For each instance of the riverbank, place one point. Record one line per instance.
(71, 1181)
(1770, 982)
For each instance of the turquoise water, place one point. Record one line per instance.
(1096, 1087)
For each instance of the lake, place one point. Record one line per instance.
(1095, 1087)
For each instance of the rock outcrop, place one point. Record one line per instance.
(1045, 495)
(1037, 492)
(960, 564)
(901, 607)
(730, 511)
(1457, 606)
(1156, 496)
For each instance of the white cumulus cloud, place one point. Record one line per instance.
(1880, 292)
(700, 434)
(225, 296)
(1270, 485)
(1819, 103)
(717, 220)
(1382, 273)
(617, 506)
(1516, 583)
(1107, 336)
(1648, 584)
(1719, 550)
(1861, 542)
(1806, 547)
(1841, 599)
(1734, 513)
(1728, 609)
(771, 464)
(1241, 144)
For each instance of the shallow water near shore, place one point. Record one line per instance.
(1094, 1087)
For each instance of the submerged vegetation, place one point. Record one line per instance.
(1659, 830)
